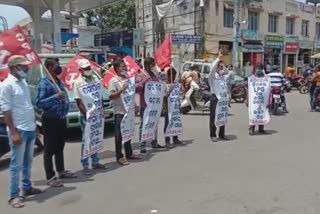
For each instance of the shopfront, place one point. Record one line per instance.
(290, 51)
(273, 50)
(305, 52)
(252, 48)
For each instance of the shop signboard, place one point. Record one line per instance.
(306, 44)
(307, 8)
(291, 44)
(251, 35)
(252, 48)
(273, 41)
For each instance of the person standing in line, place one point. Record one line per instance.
(117, 86)
(216, 72)
(87, 76)
(141, 80)
(55, 106)
(171, 76)
(19, 116)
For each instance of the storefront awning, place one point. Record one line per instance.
(252, 48)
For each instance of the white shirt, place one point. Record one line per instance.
(213, 75)
(15, 97)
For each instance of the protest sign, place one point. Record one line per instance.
(154, 93)
(91, 97)
(128, 121)
(71, 72)
(259, 91)
(221, 91)
(175, 123)
(14, 42)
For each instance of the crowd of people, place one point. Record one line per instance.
(53, 100)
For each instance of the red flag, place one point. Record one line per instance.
(132, 69)
(71, 71)
(162, 55)
(14, 42)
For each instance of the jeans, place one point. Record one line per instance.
(143, 144)
(118, 139)
(166, 123)
(213, 128)
(95, 158)
(21, 159)
(315, 97)
(54, 142)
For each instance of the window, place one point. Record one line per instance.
(273, 24)
(318, 30)
(305, 28)
(228, 18)
(253, 21)
(289, 26)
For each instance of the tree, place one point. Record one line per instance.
(119, 15)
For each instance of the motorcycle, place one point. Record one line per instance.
(297, 81)
(287, 85)
(239, 92)
(306, 86)
(276, 102)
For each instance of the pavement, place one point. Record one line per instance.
(264, 174)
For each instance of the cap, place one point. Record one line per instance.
(84, 63)
(18, 60)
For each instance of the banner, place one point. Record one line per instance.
(91, 96)
(15, 42)
(259, 92)
(175, 123)
(71, 72)
(162, 55)
(153, 94)
(128, 121)
(221, 91)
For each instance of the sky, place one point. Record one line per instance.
(14, 14)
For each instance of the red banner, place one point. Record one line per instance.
(14, 42)
(162, 55)
(132, 69)
(71, 71)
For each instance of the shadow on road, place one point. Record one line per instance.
(50, 193)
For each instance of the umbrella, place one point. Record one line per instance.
(316, 56)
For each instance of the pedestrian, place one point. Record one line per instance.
(141, 79)
(216, 73)
(87, 76)
(316, 81)
(171, 76)
(117, 86)
(19, 116)
(55, 106)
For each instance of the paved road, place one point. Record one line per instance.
(274, 174)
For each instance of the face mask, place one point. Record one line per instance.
(124, 72)
(154, 70)
(58, 70)
(88, 73)
(259, 73)
(22, 74)
(220, 72)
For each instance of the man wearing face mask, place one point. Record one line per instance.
(55, 106)
(87, 76)
(19, 116)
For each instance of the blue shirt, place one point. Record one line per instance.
(48, 100)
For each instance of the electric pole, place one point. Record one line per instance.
(236, 35)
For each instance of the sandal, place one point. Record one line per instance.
(67, 175)
(31, 191)
(16, 202)
(55, 182)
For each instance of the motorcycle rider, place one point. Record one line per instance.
(316, 91)
(190, 82)
(277, 80)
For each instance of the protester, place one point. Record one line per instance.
(257, 96)
(19, 116)
(248, 70)
(55, 106)
(141, 80)
(117, 86)
(277, 80)
(316, 90)
(87, 76)
(216, 73)
(230, 78)
(171, 77)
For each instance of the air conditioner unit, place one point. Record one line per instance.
(83, 21)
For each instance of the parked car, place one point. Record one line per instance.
(73, 117)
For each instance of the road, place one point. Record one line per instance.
(274, 174)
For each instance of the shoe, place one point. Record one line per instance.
(169, 146)
(134, 157)
(16, 202)
(214, 140)
(251, 132)
(158, 147)
(123, 162)
(99, 166)
(67, 175)
(143, 151)
(178, 142)
(286, 111)
(87, 171)
(262, 132)
(31, 191)
(55, 182)
(223, 138)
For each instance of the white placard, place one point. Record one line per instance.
(221, 92)
(91, 96)
(175, 123)
(259, 92)
(128, 121)
(153, 94)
